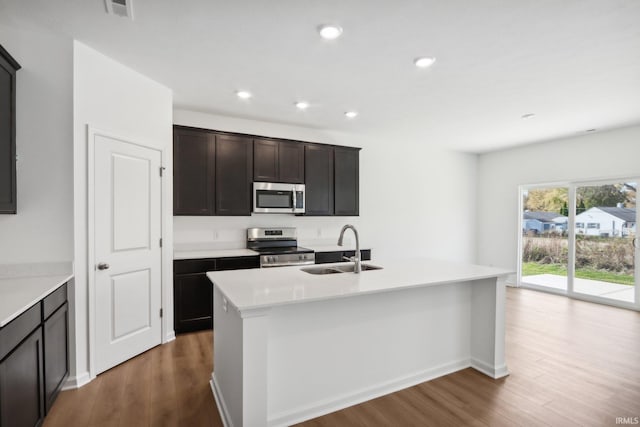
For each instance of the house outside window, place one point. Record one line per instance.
(593, 225)
(579, 225)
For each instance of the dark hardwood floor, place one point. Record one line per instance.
(572, 363)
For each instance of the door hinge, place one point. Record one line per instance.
(161, 313)
(161, 242)
(161, 170)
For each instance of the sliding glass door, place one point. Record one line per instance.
(544, 254)
(605, 233)
(580, 239)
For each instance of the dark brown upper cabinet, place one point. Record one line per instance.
(278, 161)
(265, 160)
(193, 172)
(234, 171)
(318, 173)
(213, 172)
(8, 69)
(346, 168)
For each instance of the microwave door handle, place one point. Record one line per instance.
(294, 199)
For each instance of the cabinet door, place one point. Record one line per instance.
(237, 263)
(318, 164)
(21, 384)
(193, 172)
(265, 160)
(234, 167)
(291, 162)
(8, 68)
(346, 169)
(193, 302)
(56, 361)
(327, 257)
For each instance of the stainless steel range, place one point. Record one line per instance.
(278, 247)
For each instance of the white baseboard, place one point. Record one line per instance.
(494, 372)
(77, 381)
(170, 336)
(222, 407)
(327, 406)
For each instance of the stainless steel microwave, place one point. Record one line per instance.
(276, 197)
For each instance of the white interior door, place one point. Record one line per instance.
(127, 254)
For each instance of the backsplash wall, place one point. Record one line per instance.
(210, 232)
(415, 200)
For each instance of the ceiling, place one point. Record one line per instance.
(574, 63)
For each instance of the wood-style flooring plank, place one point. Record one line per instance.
(572, 363)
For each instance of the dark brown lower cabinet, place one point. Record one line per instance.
(338, 256)
(56, 360)
(193, 291)
(193, 302)
(21, 384)
(34, 362)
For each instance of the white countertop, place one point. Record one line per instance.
(267, 287)
(18, 294)
(212, 253)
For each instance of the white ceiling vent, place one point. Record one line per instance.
(120, 7)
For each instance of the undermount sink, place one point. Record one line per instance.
(321, 270)
(348, 268)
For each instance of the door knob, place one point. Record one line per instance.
(103, 266)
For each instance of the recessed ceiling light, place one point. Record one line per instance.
(424, 61)
(351, 114)
(302, 105)
(330, 31)
(243, 94)
(528, 116)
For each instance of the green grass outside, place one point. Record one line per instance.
(532, 268)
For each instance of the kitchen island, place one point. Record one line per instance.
(290, 346)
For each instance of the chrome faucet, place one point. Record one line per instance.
(356, 259)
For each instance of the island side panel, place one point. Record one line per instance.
(331, 354)
(255, 335)
(487, 327)
(239, 378)
(227, 360)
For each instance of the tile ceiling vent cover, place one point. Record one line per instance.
(120, 8)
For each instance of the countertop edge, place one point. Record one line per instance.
(213, 253)
(257, 307)
(58, 282)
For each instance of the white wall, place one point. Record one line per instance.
(113, 98)
(42, 230)
(608, 154)
(414, 200)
